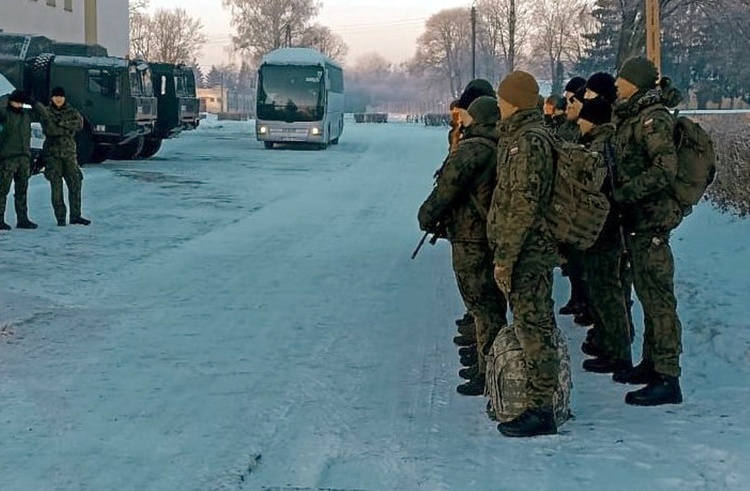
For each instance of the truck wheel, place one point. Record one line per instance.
(129, 150)
(150, 147)
(268, 144)
(100, 154)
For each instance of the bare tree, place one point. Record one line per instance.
(559, 31)
(324, 40)
(265, 25)
(444, 49)
(170, 36)
(136, 6)
(505, 26)
(372, 65)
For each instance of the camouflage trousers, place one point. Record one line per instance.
(574, 268)
(606, 290)
(653, 277)
(473, 266)
(18, 171)
(55, 170)
(534, 323)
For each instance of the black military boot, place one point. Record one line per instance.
(80, 221)
(591, 346)
(570, 308)
(469, 359)
(662, 390)
(466, 320)
(26, 224)
(584, 316)
(462, 340)
(469, 373)
(532, 422)
(60, 222)
(641, 374)
(472, 387)
(4, 226)
(604, 364)
(468, 350)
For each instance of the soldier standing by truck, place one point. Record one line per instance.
(60, 124)
(15, 155)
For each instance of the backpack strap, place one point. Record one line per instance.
(478, 206)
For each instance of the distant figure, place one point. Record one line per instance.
(15, 154)
(60, 125)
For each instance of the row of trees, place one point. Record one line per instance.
(703, 42)
(264, 25)
(169, 35)
(543, 34)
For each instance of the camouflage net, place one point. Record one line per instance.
(730, 192)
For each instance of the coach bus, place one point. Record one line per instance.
(300, 98)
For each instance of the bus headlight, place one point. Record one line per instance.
(263, 130)
(315, 131)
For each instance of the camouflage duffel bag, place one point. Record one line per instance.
(506, 379)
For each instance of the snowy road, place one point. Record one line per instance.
(237, 318)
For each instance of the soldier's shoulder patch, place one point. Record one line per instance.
(648, 122)
(513, 151)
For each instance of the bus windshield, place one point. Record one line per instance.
(291, 93)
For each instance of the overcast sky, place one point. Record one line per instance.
(389, 27)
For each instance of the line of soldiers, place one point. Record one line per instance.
(490, 201)
(60, 123)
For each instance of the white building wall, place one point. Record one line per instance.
(38, 17)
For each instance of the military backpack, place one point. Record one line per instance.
(696, 161)
(506, 379)
(578, 209)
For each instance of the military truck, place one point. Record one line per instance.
(178, 105)
(114, 95)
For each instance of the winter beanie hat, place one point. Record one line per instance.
(475, 89)
(604, 85)
(640, 72)
(17, 96)
(597, 111)
(484, 110)
(57, 92)
(520, 89)
(575, 84)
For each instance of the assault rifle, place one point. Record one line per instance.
(433, 241)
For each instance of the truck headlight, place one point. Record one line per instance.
(263, 130)
(315, 131)
(100, 128)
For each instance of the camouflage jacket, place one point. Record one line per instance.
(598, 140)
(516, 224)
(647, 164)
(60, 127)
(464, 187)
(568, 131)
(15, 137)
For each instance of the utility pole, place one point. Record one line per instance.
(473, 40)
(653, 33)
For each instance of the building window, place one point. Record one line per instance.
(69, 5)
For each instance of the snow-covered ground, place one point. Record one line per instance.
(238, 318)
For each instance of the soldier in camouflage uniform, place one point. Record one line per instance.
(647, 159)
(603, 260)
(524, 250)
(15, 155)
(460, 201)
(60, 125)
(601, 85)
